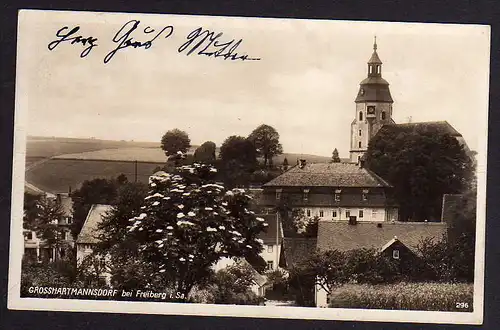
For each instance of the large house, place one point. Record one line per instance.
(333, 191)
(39, 249)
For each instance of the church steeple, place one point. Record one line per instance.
(375, 64)
(373, 107)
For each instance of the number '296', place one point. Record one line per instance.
(461, 305)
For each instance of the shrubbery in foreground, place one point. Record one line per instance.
(405, 296)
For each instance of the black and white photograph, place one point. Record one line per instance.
(249, 167)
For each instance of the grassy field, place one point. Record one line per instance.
(57, 175)
(405, 296)
(68, 161)
(46, 147)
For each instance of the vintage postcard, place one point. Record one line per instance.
(249, 167)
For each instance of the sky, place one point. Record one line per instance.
(304, 84)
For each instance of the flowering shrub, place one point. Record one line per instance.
(188, 222)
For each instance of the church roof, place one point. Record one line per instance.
(375, 90)
(442, 127)
(328, 175)
(340, 235)
(374, 59)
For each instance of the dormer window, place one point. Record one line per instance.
(337, 195)
(305, 195)
(278, 194)
(364, 195)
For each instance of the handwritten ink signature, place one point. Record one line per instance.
(90, 42)
(212, 46)
(124, 39)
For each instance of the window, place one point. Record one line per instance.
(29, 235)
(378, 68)
(321, 214)
(334, 213)
(270, 265)
(337, 195)
(360, 115)
(359, 144)
(347, 214)
(69, 220)
(305, 195)
(383, 115)
(269, 248)
(278, 194)
(361, 213)
(374, 214)
(364, 195)
(359, 132)
(395, 254)
(308, 212)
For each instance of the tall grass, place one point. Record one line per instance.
(405, 296)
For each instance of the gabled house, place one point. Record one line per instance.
(333, 191)
(88, 237)
(399, 240)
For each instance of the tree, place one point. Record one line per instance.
(266, 142)
(329, 268)
(120, 249)
(205, 153)
(188, 223)
(175, 140)
(335, 156)
(46, 225)
(238, 161)
(96, 191)
(232, 285)
(31, 211)
(239, 149)
(422, 165)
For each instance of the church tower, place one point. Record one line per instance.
(373, 107)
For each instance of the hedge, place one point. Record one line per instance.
(456, 297)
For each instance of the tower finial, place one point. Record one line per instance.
(375, 43)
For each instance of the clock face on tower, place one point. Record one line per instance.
(371, 110)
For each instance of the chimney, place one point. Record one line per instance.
(302, 163)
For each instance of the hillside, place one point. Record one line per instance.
(56, 164)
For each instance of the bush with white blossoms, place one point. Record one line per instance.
(189, 222)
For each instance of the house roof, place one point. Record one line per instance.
(440, 126)
(339, 235)
(88, 234)
(297, 249)
(328, 175)
(273, 227)
(66, 205)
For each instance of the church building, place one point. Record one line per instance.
(374, 110)
(373, 107)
